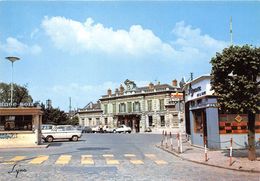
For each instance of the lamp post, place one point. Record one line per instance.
(12, 59)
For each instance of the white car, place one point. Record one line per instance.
(123, 129)
(62, 132)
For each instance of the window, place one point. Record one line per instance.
(21, 123)
(161, 104)
(162, 121)
(149, 104)
(150, 120)
(122, 107)
(137, 106)
(129, 107)
(105, 109)
(114, 108)
(105, 121)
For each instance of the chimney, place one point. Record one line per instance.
(174, 83)
(116, 91)
(122, 89)
(151, 86)
(109, 92)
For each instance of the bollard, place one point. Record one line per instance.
(178, 139)
(171, 140)
(205, 150)
(230, 153)
(166, 140)
(162, 138)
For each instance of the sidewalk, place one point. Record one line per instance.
(219, 158)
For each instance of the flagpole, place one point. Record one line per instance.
(231, 31)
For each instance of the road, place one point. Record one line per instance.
(107, 157)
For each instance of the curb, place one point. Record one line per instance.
(24, 146)
(203, 163)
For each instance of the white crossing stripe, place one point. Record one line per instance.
(63, 159)
(87, 160)
(15, 159)
(110, 159)
(153, 157)
(133, 160)
(39, 160)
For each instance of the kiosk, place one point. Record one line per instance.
(20, 127)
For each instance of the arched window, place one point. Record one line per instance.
(122, 107)
(137, 106)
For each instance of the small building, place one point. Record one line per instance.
(20, 126)
(205, 123)
(90, 115)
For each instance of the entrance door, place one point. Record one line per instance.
(204, 121)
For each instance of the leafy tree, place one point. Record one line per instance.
(56, 116)
(20, 93)
(235, 72)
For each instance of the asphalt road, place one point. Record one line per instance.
(107, 157)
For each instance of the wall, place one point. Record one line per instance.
(17, 139)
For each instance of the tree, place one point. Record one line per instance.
(20, 94)
(235, 72)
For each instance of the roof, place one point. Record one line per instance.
(202, 77)
(144, 90)
(91, 107)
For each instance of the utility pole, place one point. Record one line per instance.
(70, 107)
(231, 31)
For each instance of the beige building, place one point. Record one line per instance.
(155, 106)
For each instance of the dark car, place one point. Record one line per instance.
(86, 129)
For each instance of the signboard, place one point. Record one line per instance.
(22, 104)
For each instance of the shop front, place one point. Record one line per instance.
(20, 127)
(208, 125)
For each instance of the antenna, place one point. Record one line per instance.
(231, 31)
(69, 105)
(191, 76)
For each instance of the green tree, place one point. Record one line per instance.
(20, 93)
(235, 72)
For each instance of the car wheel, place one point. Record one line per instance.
(49, 139)
(114, 131)
(129, 132)
(74, 138)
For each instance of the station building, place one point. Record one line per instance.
(157, 106)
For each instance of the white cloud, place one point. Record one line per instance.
(14, 46)
(191, 44)
(74, 36)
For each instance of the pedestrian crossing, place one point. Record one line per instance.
(86, 159)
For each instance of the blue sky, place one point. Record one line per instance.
(79, 49)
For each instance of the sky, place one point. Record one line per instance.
(79, 49)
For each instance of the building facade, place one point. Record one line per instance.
(90, 115)
(158, 107)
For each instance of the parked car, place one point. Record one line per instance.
(123, 129)
(86, 129)
(62, 132)
(95, 129)
(46, 127)
(148, 129)
(108, 129)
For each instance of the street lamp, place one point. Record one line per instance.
(12, 59)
